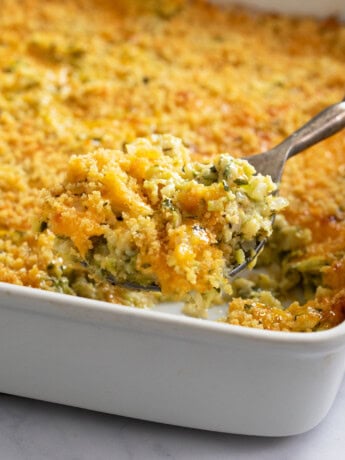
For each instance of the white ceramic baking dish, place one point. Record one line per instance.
(165, 367)
(320, 8)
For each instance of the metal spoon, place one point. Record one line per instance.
(326, 123)
(323, 125)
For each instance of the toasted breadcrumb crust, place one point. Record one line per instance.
(223, 81)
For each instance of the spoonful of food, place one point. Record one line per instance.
(148, 217)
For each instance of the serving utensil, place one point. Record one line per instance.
(326, 123)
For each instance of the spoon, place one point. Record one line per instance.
(272, 162)
(326, 123)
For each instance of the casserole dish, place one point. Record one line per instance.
(166, 368)
(163, 367)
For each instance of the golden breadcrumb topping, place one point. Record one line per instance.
(80, 75)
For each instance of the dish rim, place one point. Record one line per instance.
(313, 341)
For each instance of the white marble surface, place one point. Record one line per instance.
(42, 431)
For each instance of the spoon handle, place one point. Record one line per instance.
(323, 125)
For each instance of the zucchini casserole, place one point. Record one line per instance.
(114, 119)
(151, 215)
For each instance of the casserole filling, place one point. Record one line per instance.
(149, 214)
(79, 76)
